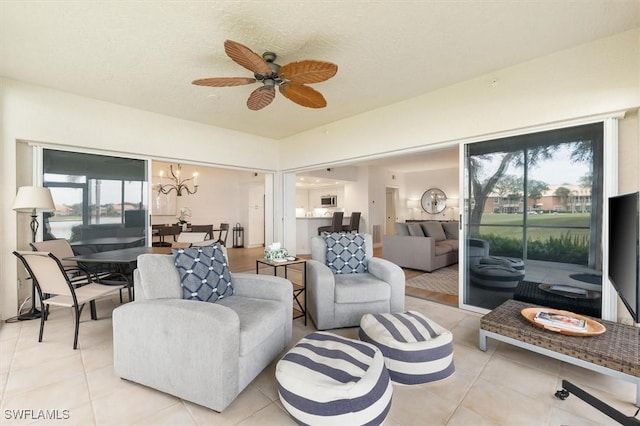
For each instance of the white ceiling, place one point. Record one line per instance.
(144, 54)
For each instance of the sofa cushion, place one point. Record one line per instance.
(360, 288)
(442, 248)
(258, 319)
(451, 230)
(346, 253)
(401, 228)
(204, 273)
(415, 230)
(454, 244)
(434, 230)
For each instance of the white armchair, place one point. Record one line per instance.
(202, 352)
(340, 300)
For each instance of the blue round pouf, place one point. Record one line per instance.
(333, 380)
(416, 350)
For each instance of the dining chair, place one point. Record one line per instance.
(79, 274)
(54, 287)
(165, 231)
(354, 223)
(223, 234)
(203, 228)
(336, 224)
(187, 239)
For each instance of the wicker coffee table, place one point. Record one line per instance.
(616, 352)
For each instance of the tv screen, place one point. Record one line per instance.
(624, 251)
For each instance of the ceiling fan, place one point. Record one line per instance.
(291, 78)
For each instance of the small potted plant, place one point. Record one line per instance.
(185, 212)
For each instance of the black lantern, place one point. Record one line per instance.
(238, 236)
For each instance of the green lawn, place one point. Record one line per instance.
(512, 225)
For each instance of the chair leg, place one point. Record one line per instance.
(43, 316)
(75, 336)
(92, 307)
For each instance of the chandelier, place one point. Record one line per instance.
(178, 184)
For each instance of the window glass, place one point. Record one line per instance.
(96, 196)
(536, 199)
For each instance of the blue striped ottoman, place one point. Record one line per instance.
(332, 380)
(416, 350)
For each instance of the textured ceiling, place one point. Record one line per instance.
(144, 54)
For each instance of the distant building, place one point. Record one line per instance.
(558, 198)
(62, 210)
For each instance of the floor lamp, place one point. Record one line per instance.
(34, 200)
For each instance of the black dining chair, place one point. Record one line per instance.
(223, 233)
(354, 223)
(165, 231)
(203, 228)
(336, 224)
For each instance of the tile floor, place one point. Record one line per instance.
(504, 386)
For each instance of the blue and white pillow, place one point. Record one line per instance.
(346, 253)
(204, 273)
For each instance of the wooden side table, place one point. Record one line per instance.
(298, 289)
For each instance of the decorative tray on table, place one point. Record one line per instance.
(563, 322)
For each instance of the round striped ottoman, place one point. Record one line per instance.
(495, 276)
(416, 350)
(512, 262)
(326, 379)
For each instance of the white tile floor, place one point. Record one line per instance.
(504, 386)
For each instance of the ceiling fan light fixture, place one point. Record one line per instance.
(269, 82)
(291, 78)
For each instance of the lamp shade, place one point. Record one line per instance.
(452, 202)
(30, 198)
(413, 204)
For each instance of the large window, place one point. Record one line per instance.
(96, 196)
(538, 198)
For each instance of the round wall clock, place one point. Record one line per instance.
(433, 201)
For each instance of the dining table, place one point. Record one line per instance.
(101, 244)
(125, 260)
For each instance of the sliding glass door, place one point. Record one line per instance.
(534, 202)
(96, 196)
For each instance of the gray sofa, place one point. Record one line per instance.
(336, 301)
(206, 353)
(429, 245)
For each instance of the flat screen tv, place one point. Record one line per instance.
(624, 249)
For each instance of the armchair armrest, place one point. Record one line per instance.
(270, 288)
(320, 292)
(262, 287)
(160, 343)
(393, 275)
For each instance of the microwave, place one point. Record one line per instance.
(329, 200)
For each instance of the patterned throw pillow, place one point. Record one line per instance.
(204, 273)
(346, 253)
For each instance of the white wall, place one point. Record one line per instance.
(591, 79)
(417, 183)
(33, 113)
(222, 195)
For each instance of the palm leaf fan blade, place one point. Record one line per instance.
(308, 71)
(223, 81)
(246, 57)
(303, 95)
(260, 98)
